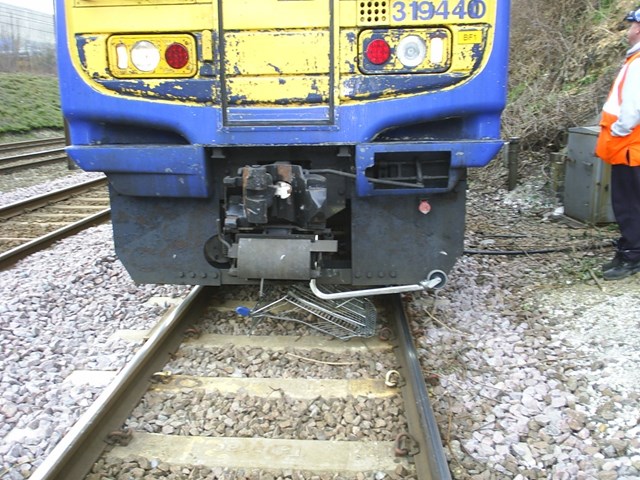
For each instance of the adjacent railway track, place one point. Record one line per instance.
(30, 144)
(270, 399)
(37, 222)
(31, 154)
(31, 160)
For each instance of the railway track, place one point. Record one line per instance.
(37, 222)
(271, 398)
(30, 144)
(30, 160)
(29, 154)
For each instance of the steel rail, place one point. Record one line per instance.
(430, 459)
(7, 147)
(76, 453)
(30, 155)
(10, 257)
(45, 199)
(21, 166)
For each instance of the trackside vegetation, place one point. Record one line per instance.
(29, 102)
(564, 57)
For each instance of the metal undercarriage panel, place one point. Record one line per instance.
(390, 242)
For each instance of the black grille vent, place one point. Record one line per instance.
(373, 12)
(418, 169)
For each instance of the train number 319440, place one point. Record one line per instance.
(443, 9)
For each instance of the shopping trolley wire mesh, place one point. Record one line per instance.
(343, 318)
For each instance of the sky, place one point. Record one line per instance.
(44, 6)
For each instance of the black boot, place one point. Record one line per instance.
(617, 260)
(624, 269)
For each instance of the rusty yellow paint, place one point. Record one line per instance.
(161, 42)
(272, 60)
(277, 53)
(207, 46)
(298, 89)
(465, 40)
(96, 62)
(348, 51)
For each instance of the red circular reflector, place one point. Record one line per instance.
(176, 55)
(424, 207)
(378, 51)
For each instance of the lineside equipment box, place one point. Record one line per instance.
(586, 183)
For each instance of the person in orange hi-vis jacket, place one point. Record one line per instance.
(619, 145)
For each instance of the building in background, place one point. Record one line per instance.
(27, 41)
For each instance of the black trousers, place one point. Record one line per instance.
(625, 200)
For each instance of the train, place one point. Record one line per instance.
(324, 141)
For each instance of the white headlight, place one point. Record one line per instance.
(145, 56)
(411, 51)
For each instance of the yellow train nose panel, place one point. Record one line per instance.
(269, 59)
(275, 53)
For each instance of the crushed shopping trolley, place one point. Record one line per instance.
(344, 318)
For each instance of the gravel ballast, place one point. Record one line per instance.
(29, 185)
(241, 362)
(533, 359)
(242, 415)
(59, 307)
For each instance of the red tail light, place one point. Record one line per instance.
(378, 51)
(176, 55)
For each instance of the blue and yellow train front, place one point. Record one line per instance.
(280, 139)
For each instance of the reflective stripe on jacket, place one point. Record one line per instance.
(613, 149)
